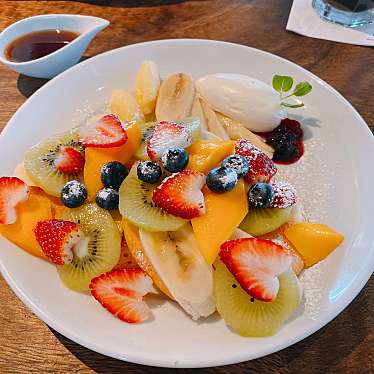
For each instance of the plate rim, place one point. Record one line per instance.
(340, 305)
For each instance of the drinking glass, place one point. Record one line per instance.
(351, 13)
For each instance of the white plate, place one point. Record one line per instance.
(334, 179)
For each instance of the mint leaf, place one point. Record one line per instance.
(282, 83)
(287, 105)
(302, 89)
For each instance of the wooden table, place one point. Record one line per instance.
(346, 345)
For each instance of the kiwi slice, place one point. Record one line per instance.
(146, 129)
(251, 317)
(261, 221)
(101, 250)
(136, 205)
(40, 166)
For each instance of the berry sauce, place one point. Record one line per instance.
(287, 141)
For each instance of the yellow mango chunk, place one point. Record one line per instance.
(207, 154)
(135, 246)
(97, 157)
(38, 207)
(313, 241)
(224, 212)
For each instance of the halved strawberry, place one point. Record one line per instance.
(261, 167)
(167, 135)
(58, 238)
(256, 265)
(69, 160)
(12, 191)
(284, 195)
(180, 194)
(121, 293)
(107, 132)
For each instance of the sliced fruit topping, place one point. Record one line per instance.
(175, 98)
(238, 163)
(178, 262)
(261, 221)
(222, 179)
(126, 260)
(73, 194)
(256, 265)
(121, 293)
(58, 239)
(207, 154)
(97, 157)
(149, 172)
(260, 195)
(12, 191)
(113, 174)
(136, 205)
(249, 316)
(180, 194)
(147, 84)
(175, 159)
(124, 105)
(284, 195)
(167, 135)
(40, 162)
(107, 132)
(69, 160)
(223, 214)
(107, 198)
(103, 243)
(261, 167)
(314, 241)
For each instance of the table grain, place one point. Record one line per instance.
(346, 345)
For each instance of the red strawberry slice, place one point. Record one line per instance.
(180, 194)
(167, 135)
(107, 132)
(12, 191)
(256, 265)
(69, 160)
(284, 195)
(121, 293)
(261, 167)
(59, 238)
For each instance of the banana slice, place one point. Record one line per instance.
(236, 131)
(124, 105)
(197, 111)
(147, 84)
(178, 262)
(175, 98)
(214, 124)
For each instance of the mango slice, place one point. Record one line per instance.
(97, 157)
(313, 241)
(207, 154)
(224, 212)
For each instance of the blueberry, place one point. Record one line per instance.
(238, 163)
(222, 179)
(149, 172)
(107, 198)
(73, 194)
(113, 174)
(175, 159)
(260, 195)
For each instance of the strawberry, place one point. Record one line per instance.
(284, 195)
(121, 293)
(180, 194)
(256, 265)
(167, 135)
(12, 191)
(57, 238)
(107, 132)
(69, 160)
(261, 167)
